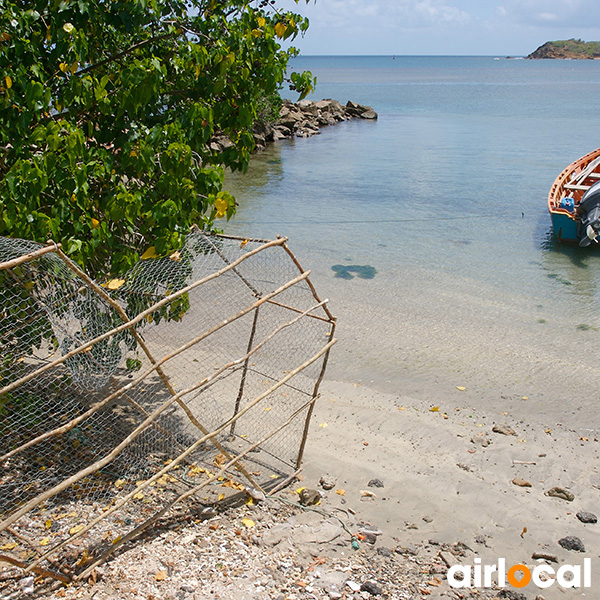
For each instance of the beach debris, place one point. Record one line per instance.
(428, 519)
(587, 517)
(545, 556)
(368, 494)
(340, 492)
(481, 439)
(558, 492)
(27, 585)
(511, 595)
(572, 542)
(503, 430)
(375, 483)
(309, 497)
(523, 532)
(521, 482)
(461, 388)
(372, 588)
(327, 482)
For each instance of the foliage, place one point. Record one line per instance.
(107, 113)
(571, 48)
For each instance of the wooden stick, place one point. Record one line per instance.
(37, 570)
(315, 396)
(240, 238)
(320, 318)
(310, 285)
(15, 262)
(245, 369)
(287, 480)
(140, 317)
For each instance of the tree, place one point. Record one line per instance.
(108, 109)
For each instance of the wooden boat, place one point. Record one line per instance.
(574, 201)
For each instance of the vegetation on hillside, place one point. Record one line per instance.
(567, 49)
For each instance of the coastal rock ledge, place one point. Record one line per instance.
(305, 118)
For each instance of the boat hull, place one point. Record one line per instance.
(565, 227)
(566, 194)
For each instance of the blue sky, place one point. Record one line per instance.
(455, 27)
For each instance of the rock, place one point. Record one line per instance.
(587, 517)
(428, 519)
(412, 550)
(327, 482)
(355, 587)
(276, 534)
(372, 588)
(572, 543)
(383, 551)
(558, 492)
(511, 595)
(375, 483)
(521, 482)
(309, 497)
(369, 114)
(503, 429)
(358, 110)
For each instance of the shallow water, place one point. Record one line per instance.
(443, 201)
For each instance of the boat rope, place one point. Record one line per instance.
(377, 221)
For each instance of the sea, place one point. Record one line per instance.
(428, 229)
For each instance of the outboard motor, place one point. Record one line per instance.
(589, 209)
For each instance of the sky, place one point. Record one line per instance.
(446, 27)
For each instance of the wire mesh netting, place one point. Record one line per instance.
(189, 379)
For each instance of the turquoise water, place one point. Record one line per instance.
(445, 197)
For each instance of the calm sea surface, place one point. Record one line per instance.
(445, 196)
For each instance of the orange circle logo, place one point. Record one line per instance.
(518, 583)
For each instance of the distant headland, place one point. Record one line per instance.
(574, 49)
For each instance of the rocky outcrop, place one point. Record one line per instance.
(568, 49)
(307, 117)
(300, 119)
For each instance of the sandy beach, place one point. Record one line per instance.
(448, 477)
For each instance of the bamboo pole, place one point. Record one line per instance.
(73, 423)
(142, 526)
(15, 262)
(140, 317)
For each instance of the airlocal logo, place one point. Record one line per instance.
(518, 576)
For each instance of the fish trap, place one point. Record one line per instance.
(191, 378)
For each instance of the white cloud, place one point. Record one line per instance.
(563, 13)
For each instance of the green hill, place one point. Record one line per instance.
(568, 49)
